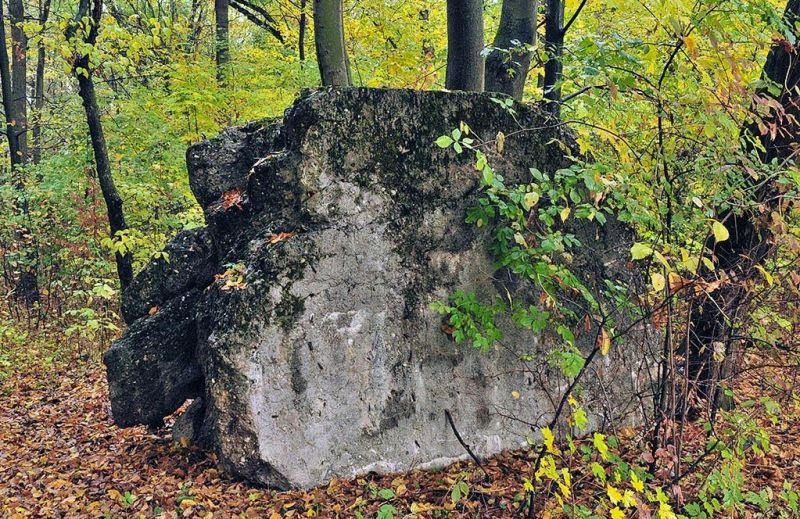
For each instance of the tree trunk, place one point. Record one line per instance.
(26, 289)
(195, 26)
(222, 40)
(81, 68)
(36, 131)
(508, 63)
(301, 39)
(19, 69)
(554, 45)
(465, 64)
(783, 69)
(334, 68)
(8, 104)
(116, 217)
(749, 243)
(258, 15)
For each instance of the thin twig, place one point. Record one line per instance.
(573, 18)
(581, 91)
(463, 444)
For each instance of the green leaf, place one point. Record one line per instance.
(530, 200)
(599, 442)
(488, 176)
(460, 489)
(480, 163)
(444, 141)
(570, 364)
(640, 251)
(581, 419)
(386, 493)
(598, 471)
(455, 494)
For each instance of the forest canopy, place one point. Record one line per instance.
(155, 74)
(683, 121)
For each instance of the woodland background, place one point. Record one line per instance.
(669, 99)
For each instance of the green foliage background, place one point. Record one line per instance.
(656, 91)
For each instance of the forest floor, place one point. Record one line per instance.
(62, 456)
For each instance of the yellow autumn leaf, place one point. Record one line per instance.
(604, 342)
(616, 513)
(767, 276)
(567, 477)
(691, 45)
(720, 232)
(628, 500)
(658, 281)
(636, 483)
(549, 441)
(599, 441)
(661, 259)
(530, 200)
(640, 251)
(417, 508)
(613, 494)
(59, 483)
(665, 512)
(565, 214)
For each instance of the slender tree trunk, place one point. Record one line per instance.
(26, 289)
(44, 14)
(554, 44)
(221, 8)
(334, 67)
(195, 25)
(8, 104)
(258, 15)
(301, 39)
(783, 69)
(749, 244)
(36, 131)
(81, 68)
(19, 70)
(116, 217)
(508, 63)
(465, 63)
